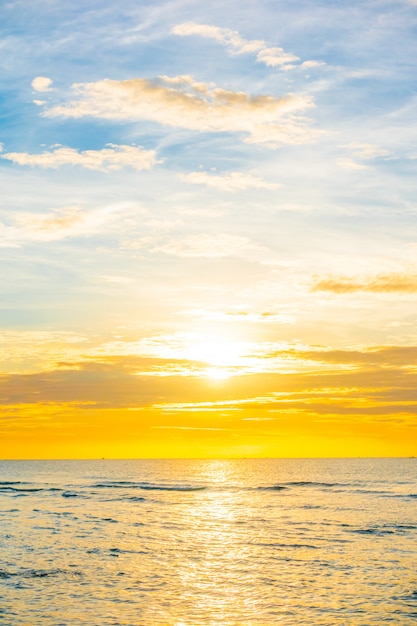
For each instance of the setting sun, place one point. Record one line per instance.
(216, 351)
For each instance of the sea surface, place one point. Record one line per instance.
(197, 542)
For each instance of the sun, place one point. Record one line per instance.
(220, 354)
(218, 373)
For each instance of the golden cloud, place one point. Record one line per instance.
(383, 283)
(182, 102)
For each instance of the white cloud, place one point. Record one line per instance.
(349, 164)
(42, 83)
(52, 226)
(367, 151)
(362, 152)
(108, 159)
(225, 36)
(182, 102)
(274, 57)
(57, 224)
(208, 245)
(232, 181)
(310, 64)
(270, 56)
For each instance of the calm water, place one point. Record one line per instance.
(208, 542)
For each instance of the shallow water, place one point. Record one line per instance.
(317, 542)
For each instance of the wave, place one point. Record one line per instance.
(37, 573)
(301, 483)
(11, 482)
(135, 499)
(147, 486)
(310, 483)
(272, 488)
(385, 529)
(20, 490)
(70, 494)
(296, 546)
(174, 487)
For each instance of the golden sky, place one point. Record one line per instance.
(207, 225)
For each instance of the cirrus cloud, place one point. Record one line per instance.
(236, 44)
(230, 38)
(207, 245)
(231, 181)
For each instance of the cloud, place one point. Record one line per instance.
(207, 245)
(51, 223)
(263, 317)
(311, 64)
(184, 103)
(368, 357)
(236, 44)
(349, 164)
(376, 382)
(57, 224)
(42, 83)
(383, 283)
(367, 151)
(108, 159)
(274, 57)
(232, 181)
(229, 38)
(363, 152)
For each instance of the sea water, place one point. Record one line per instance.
(172, 542)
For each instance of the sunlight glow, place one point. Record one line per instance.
(220, 354)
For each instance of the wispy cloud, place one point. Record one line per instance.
(230, 38)
(112, 158)
(182, 102)
(262, 317)
(231, 181)
(360, 152)
(271, 56)
(367, 151)
(383, 283)
(57, 224)
(208, 245)
(350, 164)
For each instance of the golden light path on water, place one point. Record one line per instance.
(206, 542)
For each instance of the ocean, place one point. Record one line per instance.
(208, 542)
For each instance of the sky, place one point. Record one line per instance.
(208, 228)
